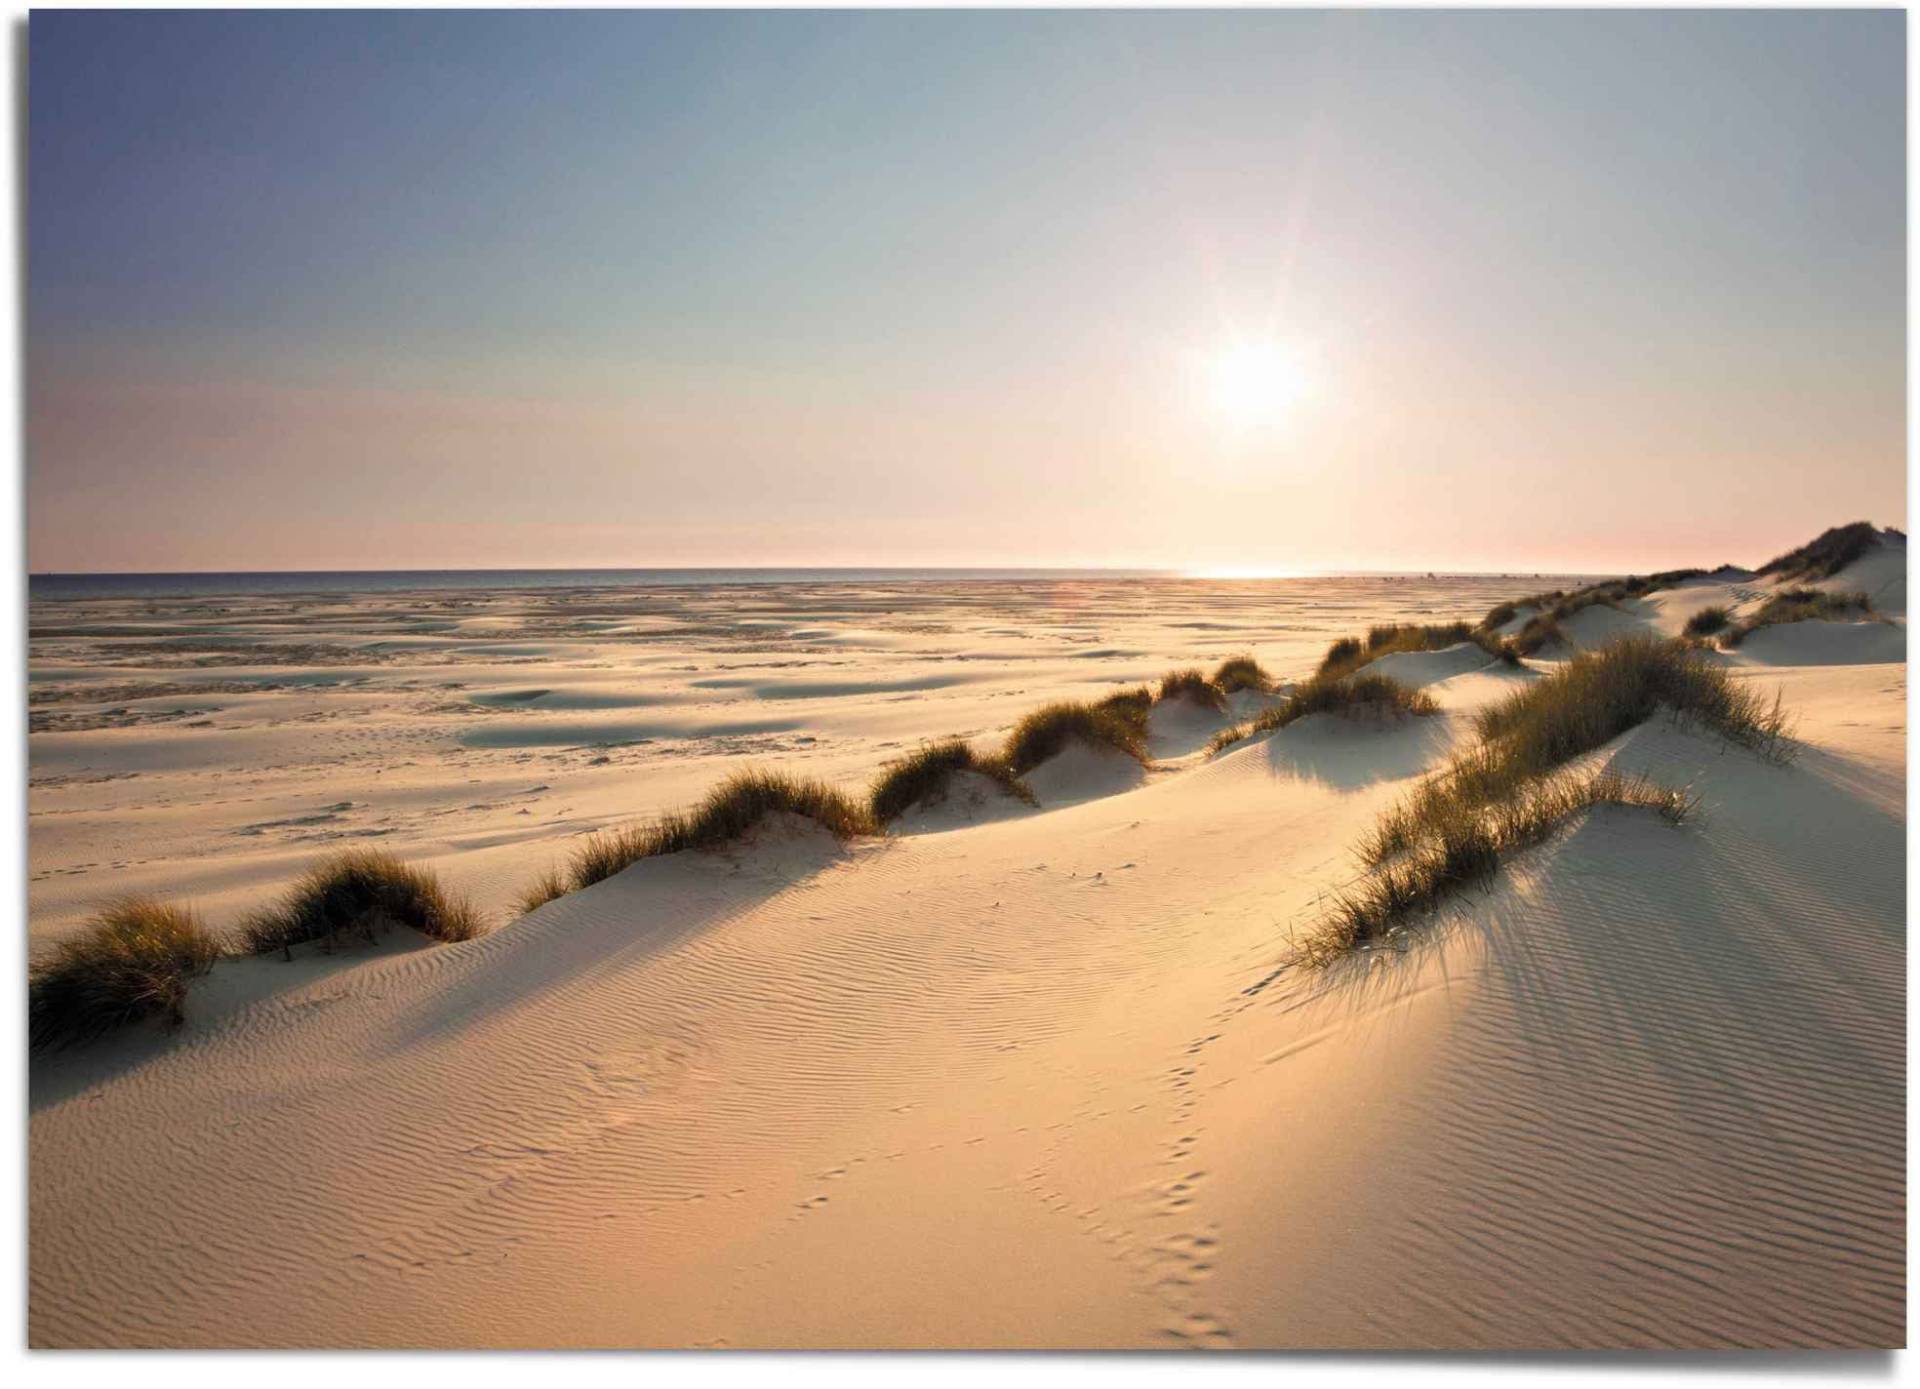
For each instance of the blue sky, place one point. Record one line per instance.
(362, 290)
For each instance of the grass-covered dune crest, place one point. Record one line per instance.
(1825, 555)
(1238, 673)
(1467, 846)
(1350, 654)
(1510, 789)
(1363, 696)
(923, 776)
(1118, 722)
(730, 811)
(1191, 685)
(1799, 605)
(360, 893)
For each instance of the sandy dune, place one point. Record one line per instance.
(1015, 1077)
(209, 748)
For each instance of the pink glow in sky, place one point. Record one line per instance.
(1583, 292)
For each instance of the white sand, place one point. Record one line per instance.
(1017, 1078)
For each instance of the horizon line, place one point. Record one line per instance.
(1226, 573)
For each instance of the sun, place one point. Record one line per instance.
(1253, 383)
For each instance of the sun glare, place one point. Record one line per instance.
(1254, 383)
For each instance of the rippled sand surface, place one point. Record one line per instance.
(1015, 1076)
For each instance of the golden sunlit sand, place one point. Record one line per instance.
(1011, 1074)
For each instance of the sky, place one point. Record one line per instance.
(1234, 292)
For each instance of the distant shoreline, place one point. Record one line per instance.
(58, 587)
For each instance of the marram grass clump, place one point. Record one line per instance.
(1242, 673)
(1499, 616)
(1191, 685)
(1467, 847)
(729, 812)
(1536, 634)
(1600, 694)
(1542, 629)
(1512, 789)
(1350, 654)
(922, 777)
(1119, 722)
(1376, 696)
(1588, 702)
(1707, 621)
(1353, 696)
(132, 962)
(358, 894)
(553, 882)
(1825, 555)
(1800, 605)
(1547, 610)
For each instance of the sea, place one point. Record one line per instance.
(57, 587)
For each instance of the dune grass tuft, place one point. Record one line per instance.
(1554, 606)
(1707, 621)
(1226, 738)
(1119, 721)
(1639, 585)
(1342, 656)
(1542, 628)
(1600, 694)
(550, 884)
(1354, 696)
(729, 811)
(1536, 634)
(1350, 654)
(1242, 673)
(1588, 702)
(1467, 845)
(1193, 685)
(1414, 636)
(359, 893)
(1825, 555)
(131, 962)
(923, 774)
(1800, 605)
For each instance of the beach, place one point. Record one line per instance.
(209, 746)
(1008, 1075)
